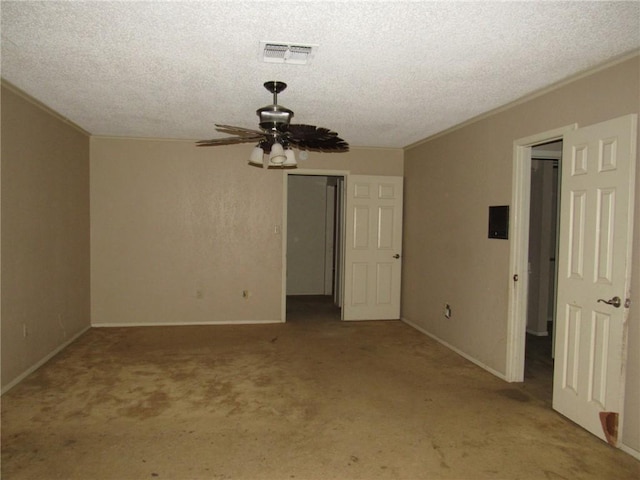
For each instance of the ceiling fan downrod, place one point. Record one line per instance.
(275, 87)
(273, 118)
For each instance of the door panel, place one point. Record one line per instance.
(372, 248)
(361, 214)
(359, 284)
(598, 176)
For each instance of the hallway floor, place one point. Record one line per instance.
(314, 398)
(538, 368)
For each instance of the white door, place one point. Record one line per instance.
(598, 174)
(373, 248)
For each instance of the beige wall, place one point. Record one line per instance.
(451, 180)
(45, 234)
(361, 161)
(178, 232)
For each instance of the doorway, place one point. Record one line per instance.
(313, 220)
(542, 268)
(519, 217)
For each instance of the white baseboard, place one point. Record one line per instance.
(459, 352)
(634, 453)
(44, 360)
(186, 324)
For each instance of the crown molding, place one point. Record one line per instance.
(537, 93)
(21, 93)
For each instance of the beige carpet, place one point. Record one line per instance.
(310, 399)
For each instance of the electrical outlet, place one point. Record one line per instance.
(447, 310)
(199, 294)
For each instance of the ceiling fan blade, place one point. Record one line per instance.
(319, 139)
(230, 129)
(243, 135)
(227, 141)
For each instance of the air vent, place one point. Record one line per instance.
(294, 53)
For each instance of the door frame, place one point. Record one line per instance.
(283, 230)
(519, 249)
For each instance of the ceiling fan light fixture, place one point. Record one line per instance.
(256, 157)
(277, 156)
(290, 162)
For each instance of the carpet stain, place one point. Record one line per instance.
(152, 406)
(441, 454)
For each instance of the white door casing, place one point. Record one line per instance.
(598, 175)
(373, 248)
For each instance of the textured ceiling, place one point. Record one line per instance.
(386, 74)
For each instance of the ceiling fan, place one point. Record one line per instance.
(277, 136)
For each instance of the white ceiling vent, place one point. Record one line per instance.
(280, 52)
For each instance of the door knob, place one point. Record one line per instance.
(397, 255)
(614, 302)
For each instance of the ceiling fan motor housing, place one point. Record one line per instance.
(274, 117)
